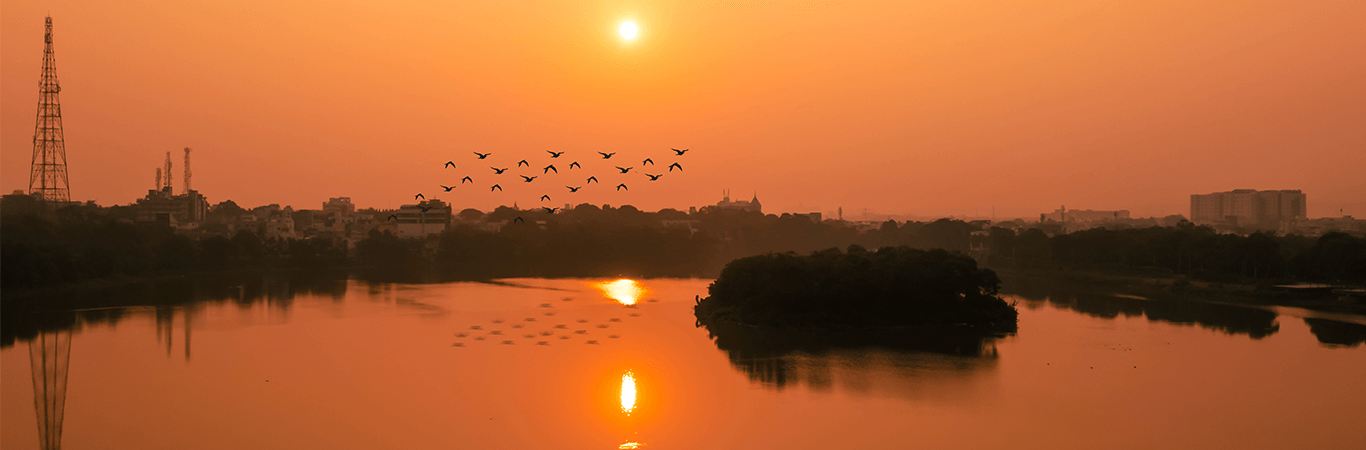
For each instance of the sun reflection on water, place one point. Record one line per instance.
(628, 392)
(630, 446)
(625, 291)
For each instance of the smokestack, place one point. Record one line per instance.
(187, 170)
(167, 185)
(157, 186)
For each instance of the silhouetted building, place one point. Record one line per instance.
(1084, 215)
(752, 205)
(425, 218)
(163, 206)
(338, 205)
(1248, 207)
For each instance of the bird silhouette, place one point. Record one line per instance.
(499, 188)
(482, 155)
(467, 178)
(518, 219)
(624, 169)
(592, 180)
(415, 197)
(447, 188)
(654, 177)
(497, 171)
(553, 154)
(528, 179)
(424, 208)
(672, 166)
(450, 164)
(607, 155)
(622, 186)
(549, 168)
(545, 198)
(575, 164)
(550, 211)
(523, 163)
(679, 152)
(647, 161)
(393, 217)
(573, 188)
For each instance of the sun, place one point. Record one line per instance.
(628, 30)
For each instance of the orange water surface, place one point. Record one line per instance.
(604, 364)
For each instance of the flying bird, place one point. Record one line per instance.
(549, 168)
(528, 179)
(523, 163)
(450, 164)
(672, 166)
(607, 155)
(574, 188)
(622, 186)
(550, 210)
(575, 164)
(424, 208)
(624, 169)
(592, 180)
(553, 154)
(499, 188)
(654, 177)
(545, 198)
(415, 197)
(518, 219)
(482, 155)
(467, 178)
(447, 188)
(647, 161)
(393, 217)
(497, 171)
(679, 152)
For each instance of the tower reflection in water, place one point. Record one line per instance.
(49, 356)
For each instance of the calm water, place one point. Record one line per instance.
(564, 364)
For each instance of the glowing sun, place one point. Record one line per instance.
(628, 30)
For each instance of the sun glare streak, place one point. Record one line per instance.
(624, 291)
(628, 392)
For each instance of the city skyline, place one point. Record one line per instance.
(914, 118)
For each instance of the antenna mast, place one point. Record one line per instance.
(167, 185)
(187, 170)
(47, 176)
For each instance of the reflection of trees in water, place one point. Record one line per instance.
(1337, 333)
(1230, 319)
(781, 358)
(55, 312)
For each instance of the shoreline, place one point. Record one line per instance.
(1177, 288)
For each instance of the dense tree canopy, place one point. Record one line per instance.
(893, 286)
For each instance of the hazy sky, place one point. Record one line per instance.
(922, 107)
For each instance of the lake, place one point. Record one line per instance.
(568, 364)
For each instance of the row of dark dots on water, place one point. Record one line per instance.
(478, 333)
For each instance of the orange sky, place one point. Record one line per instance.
(910, 107)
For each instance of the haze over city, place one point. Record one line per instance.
(931, 108)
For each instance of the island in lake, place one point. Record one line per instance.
(893, 288)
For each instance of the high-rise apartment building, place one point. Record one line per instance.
(1248, 207)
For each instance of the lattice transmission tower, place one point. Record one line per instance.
(47, 178)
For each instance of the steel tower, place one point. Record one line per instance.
(47, 178)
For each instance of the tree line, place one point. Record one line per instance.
(74, 244)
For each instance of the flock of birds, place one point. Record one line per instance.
(543, 178)
(539, 331)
